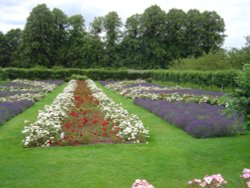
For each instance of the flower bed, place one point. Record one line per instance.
(83, 114)
(47, 129)
(141, 89)
(10, 109)
(187, 108)
(18, 95)
(199, 120)
(130, 126)
(27, 90)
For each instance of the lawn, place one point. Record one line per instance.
(171, 158)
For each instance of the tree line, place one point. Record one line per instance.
(149, 40)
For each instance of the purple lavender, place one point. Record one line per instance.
(199, 120)
(56, 82)
(104, 82)
(11, 93)
(10, 109)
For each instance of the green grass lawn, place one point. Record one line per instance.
(169, 160)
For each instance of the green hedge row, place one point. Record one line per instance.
(203, 78)
(3, 75)
(95, 74)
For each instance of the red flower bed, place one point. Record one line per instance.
(85, 123)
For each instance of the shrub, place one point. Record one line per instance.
(203, 78)
(241, 95)
(210, 61)
(77, 77)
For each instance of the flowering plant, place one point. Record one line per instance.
(141, 184)
(212, 181)
(246, 176)
(47, 129)
(129, 125)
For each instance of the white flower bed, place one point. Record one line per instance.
(141, 92)
(48, 87)
(35, 86)
(130, 126)
(47, 128)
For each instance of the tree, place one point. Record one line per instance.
(131, 54)
(61, 37)
(214, 28)
(38, 37)
(9, 44)
(96, 27)
(194, 33)
(112, 24)
(3, 58)
(75, 55)
(175, 34)
(93, 52)
(153, 32)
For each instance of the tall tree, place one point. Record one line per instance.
(37, 39)
(75, 55)
(175, 34)
(153, 32)
(194, 33)
(61, 37)
(112, 24)
(131, 54)
(96, 26)
(3, 57)
(214, 28)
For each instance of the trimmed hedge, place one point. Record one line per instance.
(3, 75)
(95, 74)
(204, 78)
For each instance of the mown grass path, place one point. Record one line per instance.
(169, 160)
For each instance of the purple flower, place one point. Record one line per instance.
(10, 109)
(199, 120)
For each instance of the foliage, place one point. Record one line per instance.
(37, 45)
(212, 61)
(77, 77)
(96, 74)
(149, 40)
(241, 95)
(204, 78)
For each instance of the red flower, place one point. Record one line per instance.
(104, 134)
(85, 120)
(67, 125)
(74, 114)
(104, 122)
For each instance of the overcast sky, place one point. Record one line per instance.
(236, 13)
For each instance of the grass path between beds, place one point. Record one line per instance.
(169, 160)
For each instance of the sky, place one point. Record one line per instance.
(236, 13)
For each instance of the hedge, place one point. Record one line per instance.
(203, 78)
(95, 74)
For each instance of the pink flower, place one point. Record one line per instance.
(248, 184)
(246, 171)
(245, 176)
(141, 184)
(208, 179)
(219, 179)
(203, 184)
